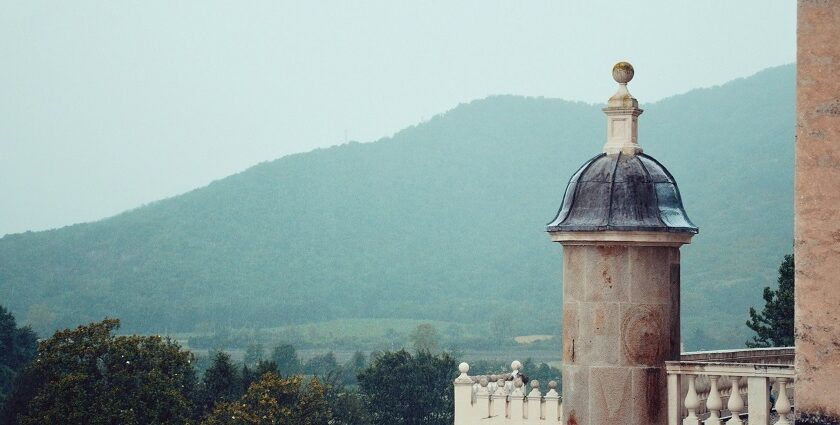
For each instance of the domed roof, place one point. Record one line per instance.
(620, 191)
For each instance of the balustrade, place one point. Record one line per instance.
(495, 400)
(709, 392)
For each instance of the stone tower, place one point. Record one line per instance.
(621, 225)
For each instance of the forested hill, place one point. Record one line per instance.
(445, 220)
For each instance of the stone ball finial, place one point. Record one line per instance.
(464, 367)
(552, 385)
(535, 383)
(483, 381)
(623, 72)
(518, 383)
(515, 365)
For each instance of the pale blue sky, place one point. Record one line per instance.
(105, 106)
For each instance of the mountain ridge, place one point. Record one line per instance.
(436, 213)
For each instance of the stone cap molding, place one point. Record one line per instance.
(638, 238)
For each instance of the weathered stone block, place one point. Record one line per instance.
(645, 334)
(604, 270)
(610, 395)
(576, 395)
(600, 327)
(649, 278)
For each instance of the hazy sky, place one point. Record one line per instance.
(105, 106)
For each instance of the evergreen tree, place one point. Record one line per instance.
(17, 348)
(221, 381)
(254, 353)
(774, 325)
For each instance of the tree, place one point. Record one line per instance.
(390, 388)
(17, 348)
(89, 376)
(287, 360)
(774, 325)
(221, 382)
(250, 376)
(254, 353)
(356, 364)
(424, 338)
(346, 405)
(322, 365)
(274, 400)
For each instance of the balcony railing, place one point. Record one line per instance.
(711, 387)
(505, 400)
(747, 383)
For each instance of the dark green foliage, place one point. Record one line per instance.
(400, 388)
(249, 375)
(221, 382)
(88, 376)
(774, 325)
(17, 348)
(346, 405)
(321, 365)
(286, 358)
(398, 228)
(353, 367)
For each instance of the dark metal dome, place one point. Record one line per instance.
(626, 192)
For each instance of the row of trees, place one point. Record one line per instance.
(88, 375)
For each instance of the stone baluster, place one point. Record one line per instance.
(492, 386)
(517, 403)
(736, 402)
(463, 396)
(482, 399)
(498, 406)
(702, 387)
(692, 402)
(782, 402)
(534, 410)
(553, 407)
(713, 402)
(758, 400)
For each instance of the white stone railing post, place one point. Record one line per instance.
(482, 399)
(553, 408)
(674, 399)
(463, 397)
(498, 403)
(517, 403)
(534, 409)
(758, 400)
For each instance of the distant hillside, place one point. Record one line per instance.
(444, 220)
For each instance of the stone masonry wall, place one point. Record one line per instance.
(817, 223)
(621, 323)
